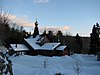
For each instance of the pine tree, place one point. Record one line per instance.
(50, 34)
(95, 40)
(79, 44)
(59, 35)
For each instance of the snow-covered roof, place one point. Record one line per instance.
(32, 41)
(49, 46)
(61, 48)
(19, 47)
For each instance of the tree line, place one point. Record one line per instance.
(13, 33)
(10, 32)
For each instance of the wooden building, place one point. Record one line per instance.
(40, 45)
(62, 50)
(18, 49)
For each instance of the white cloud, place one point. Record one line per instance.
(22, 21)
(40, 1)
(55, 28)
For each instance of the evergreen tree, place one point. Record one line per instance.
(50, 34)
(95, 40)
(59, 35)
(79, 44)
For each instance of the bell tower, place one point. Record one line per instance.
(36, 31)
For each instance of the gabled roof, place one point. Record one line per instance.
(32, 42)
(20, 47)
(47, 46)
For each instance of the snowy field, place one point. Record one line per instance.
(41, 65)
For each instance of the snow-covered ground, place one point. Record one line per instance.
(42, 65)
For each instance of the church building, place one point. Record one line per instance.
(40, 45)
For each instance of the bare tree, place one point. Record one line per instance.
(4, 22)
(21, 28)
(68, 33)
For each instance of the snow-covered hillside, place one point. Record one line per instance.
(42, 65)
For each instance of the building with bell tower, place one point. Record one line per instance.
(36, 31)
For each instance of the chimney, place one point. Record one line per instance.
(16, 45)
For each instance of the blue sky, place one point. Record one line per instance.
(78, 15)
